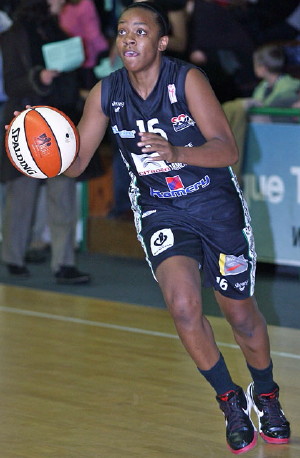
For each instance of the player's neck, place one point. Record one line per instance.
(144, 82)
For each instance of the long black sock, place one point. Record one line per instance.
(263, 379)
(219, 378)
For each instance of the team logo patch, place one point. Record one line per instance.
(183, 121)
(161, 241)
(232, 265)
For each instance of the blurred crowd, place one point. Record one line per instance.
(249, 49)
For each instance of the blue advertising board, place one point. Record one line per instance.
(271, 184)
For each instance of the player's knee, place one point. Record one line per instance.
(185, 311)
(243, 324)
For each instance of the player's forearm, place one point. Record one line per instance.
(214, 153)
(76, 168)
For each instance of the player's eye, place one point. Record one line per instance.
(121, 32)
(141, 32)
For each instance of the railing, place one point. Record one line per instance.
(274, 111)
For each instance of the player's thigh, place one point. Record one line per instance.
(179, 280)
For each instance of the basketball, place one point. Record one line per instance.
(41, 142)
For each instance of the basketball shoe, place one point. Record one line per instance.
(273, 426)
(241, 435)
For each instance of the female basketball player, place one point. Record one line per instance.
(188, 209)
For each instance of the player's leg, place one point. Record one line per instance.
(249, 328)
(179, 279)
(250, 332)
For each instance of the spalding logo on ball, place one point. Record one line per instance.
(42, 142)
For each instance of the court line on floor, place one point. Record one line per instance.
(100, 324)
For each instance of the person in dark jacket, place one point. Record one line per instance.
(28, 82)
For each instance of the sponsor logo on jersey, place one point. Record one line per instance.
(180, 191)
(174, 183)
(146, 164)
(232, 265)
(172, 93)
(123, 133)
(176, 165)
(241, 286)
(182, 121)
(161, 241)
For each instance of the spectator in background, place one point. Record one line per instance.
(5, 23)
(269, 20)
(276, 89)
(28, 82)
(223, 48)
(9, 6)
(80, 18)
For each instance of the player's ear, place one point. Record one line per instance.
(163, 43)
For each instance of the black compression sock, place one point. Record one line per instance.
(219, 378)
(263, 379)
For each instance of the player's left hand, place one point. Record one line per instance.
(16, 113)
(155, 143)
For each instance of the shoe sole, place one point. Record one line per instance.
(273, 440)
(245, 449)
(269, 440)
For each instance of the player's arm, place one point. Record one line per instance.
(220, 149)
(92, 127)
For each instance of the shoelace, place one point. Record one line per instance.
(234, 413)
(272, 409)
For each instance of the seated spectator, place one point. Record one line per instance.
(223, 48)
(276, 89)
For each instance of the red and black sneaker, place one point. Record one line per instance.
(273, 425)
(241, 435)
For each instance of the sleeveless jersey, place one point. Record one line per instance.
(164, 112)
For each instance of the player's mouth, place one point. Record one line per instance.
(130, 54)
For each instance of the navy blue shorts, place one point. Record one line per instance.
(222, 245)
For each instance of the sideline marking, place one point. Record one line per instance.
(99, 324)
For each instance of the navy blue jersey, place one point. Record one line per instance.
(165, 112)
(180, 209)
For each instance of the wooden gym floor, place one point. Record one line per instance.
(83, 377)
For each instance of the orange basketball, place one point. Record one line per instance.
(42, 142)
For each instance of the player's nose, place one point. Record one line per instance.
(129, 38)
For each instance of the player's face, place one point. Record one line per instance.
(138, 40)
